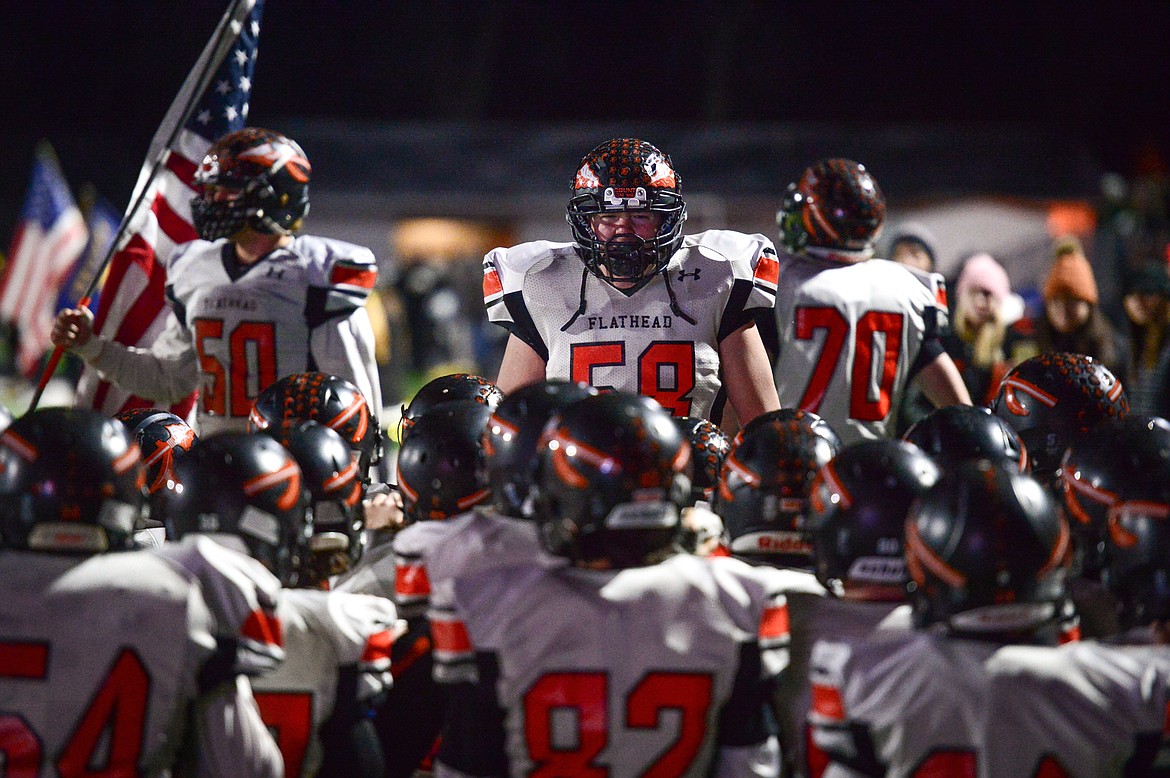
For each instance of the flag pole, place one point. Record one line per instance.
(189, 94)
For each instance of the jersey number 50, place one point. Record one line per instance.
(251, 351)
(865, 360)
(585, 696)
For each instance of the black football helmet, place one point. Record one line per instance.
(326, 399)
(1052, 398)
(955, 433)
(246, 485)
(988, 552)
(71, 480)
(709, 447)
(611, 481)
(441, 469)
(1119, 462)
(1137, 557)
(765, 483)
(836, 204)
(858, 506)
(251, 178)
(626, 174)
(510, 437)
(163, 438)
(335, 492)
(448, 388)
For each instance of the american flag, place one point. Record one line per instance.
(50, 237)
(134, 310)
(103, 220)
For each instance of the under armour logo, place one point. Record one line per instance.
(278, 274)
(682, 274)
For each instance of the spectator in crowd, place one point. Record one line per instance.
(1073, 321)
(913, 244)
(1147, 312)
(978, 331)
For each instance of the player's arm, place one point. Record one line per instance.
(942, 383)
(520, 366)
(230, 737)
(344, 346)
(168, 371)
(747, 373)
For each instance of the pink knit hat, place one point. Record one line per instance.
(981, 271)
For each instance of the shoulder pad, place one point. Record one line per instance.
(504, 268)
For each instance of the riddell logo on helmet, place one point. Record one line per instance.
(624, 197)
(771, 542)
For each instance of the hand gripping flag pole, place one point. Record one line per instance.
(193, 90)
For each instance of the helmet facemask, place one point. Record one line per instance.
(254, 179)
(626, 175)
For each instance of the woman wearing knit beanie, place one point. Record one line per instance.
(1072, 319)
(976, 341)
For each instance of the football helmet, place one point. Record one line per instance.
(611, 478)
(510, 437)
(71, 480)
(765, 483)
(326, 399)
(1105, 473)
(836, 204)
(987, 552)
(441, 470)
(163, 438)
(709, 447)
(335, 491)
(626, 174)
(1137, 557)
(1051, 398)
(249, 486)
(251, 178)
(954, 433)
(448, 388)
(858, 505)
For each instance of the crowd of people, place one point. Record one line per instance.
(917, 541)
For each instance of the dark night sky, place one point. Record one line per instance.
(91, 76)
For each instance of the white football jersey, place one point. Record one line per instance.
(99, 665)
(241, 328)
(661, 341)
(324, 632)
(849, 336)
(922, 704)
(242, 594)
(623, 670)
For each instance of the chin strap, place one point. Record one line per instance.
(580, 308)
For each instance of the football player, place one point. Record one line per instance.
(448, 388)
(955, 433)
(163, 438)
(570, 668)
(1052, 399)
(981, 688)
(631, 303)
(109, 661)
(441, 474)
(251, 301)
(853, 331)
(702, 528)
(246, 491)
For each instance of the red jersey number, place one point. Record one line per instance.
(251, 354)
(587, 696)
(107, 741)
(666, 369)
(290, 716)
(866, 360)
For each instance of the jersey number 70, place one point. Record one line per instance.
(866, 361)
